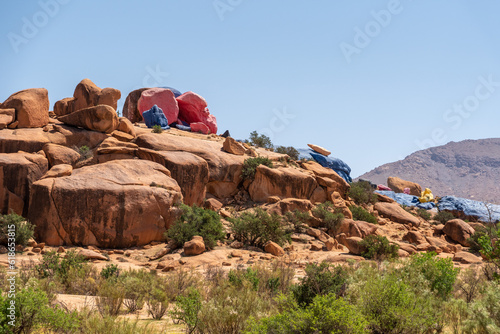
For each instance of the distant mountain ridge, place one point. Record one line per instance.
(468, 169)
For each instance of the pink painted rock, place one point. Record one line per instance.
(163, 98)
(200, 127)
(193, 109)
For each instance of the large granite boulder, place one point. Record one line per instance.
(86, 95)
(32, 107)
(115, 204)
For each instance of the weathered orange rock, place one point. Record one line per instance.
(329, 178)
(58, 154)
(359, 229)
(32, 107)
(92, 255)
(111, 205)
(195, 246)
(398, 185)
(58, 171)
(396, 213)
(458, 231)
(274, 249)
(130, 108)
(101, 118)
(466, 258)
(352, 243)
(319, 149)
(284, 182)
(7, 116)
(414, 237)
(86, 95)
(18, 171)
(189, 170)
(232, 146)
(126, 126)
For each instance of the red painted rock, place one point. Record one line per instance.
(163, 98)
(193, 109)
(200, 127)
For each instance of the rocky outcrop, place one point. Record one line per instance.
(130, 109)
(7, 116)
(58, 171)
(224, 169)
(32, 107)
(126, 126)
(459, 231)
(189, 170)
(101, 118)
(109, 205)
(398, 185)
(18, 171)
(86, 95)
(352, 243)
(283, 182)
(58, 154)
(396, 213)
(352, 228)
(327, 178)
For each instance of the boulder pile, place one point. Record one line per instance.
(85, 176)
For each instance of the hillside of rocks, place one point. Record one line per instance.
(104, 184)
(468, 169)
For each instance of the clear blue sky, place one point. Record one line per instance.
(369, 98)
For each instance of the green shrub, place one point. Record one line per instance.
(484, 315)
(475, 247)
(331, 220)
(289, 150)
(197, 221)
(110, 271)
(258, 227)
(422, 213)
(186, 310)
(32, 311)
(321, 280)
(362, 193)
(228, 308)
(135, 287)
(260, 140)
(391, 304)
(13, 225)
(443, 216)
(358, 213)
(53, 265)
(157, 129)
(84, 151)
(250, 166)
(92, 322)
(439, 272)
(326, 314)
(379, 248)
(298, 220)
(110, 297)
